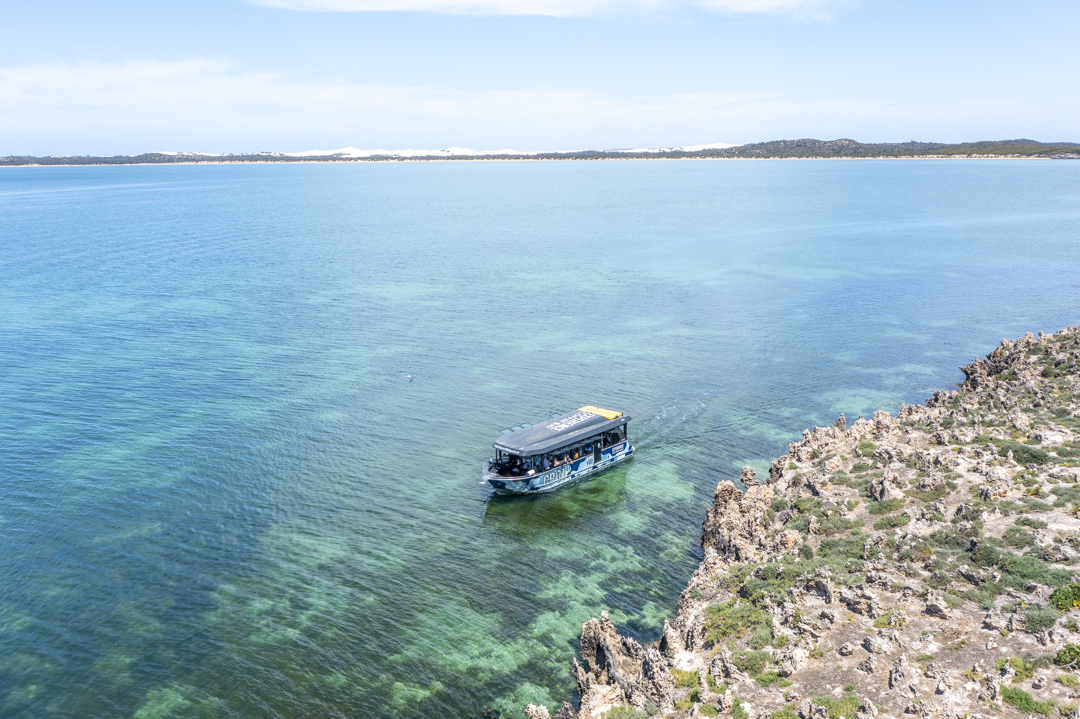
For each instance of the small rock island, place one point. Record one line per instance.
(922, 565)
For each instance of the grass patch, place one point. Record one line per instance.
(1068, 680)
(842, 707)
(1023, 668)
(731, 618)
(684, 678)
(624, 711)
(1023, 702)
(1017, 537)
(892, 521)
(767, 679)
(867, 448)
(737, 711)
(883, 621)
(1037, 619)
(762, 637)
(785, 713)
(1017, 570)
(709, 710)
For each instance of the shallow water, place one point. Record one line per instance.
(223, 497)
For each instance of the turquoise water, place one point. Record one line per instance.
(222, 497)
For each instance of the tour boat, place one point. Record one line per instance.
(566, 448)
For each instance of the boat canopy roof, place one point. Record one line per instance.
(561, 431)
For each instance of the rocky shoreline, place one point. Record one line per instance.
(924, 564)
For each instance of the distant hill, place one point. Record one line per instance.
(775, 149)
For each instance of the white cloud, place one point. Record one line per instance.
(558, 8)
(209, 105)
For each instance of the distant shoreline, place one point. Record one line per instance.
(355, 160)
(805, 149)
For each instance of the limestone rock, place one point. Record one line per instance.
(611, 657)
(748, 477)
(936, 605)
(991, 691)
(735, 522)
(723, 667)
(537, 712)
(846, 650)
(791, 659)
(883, 489)
(866, 709)
(861, 602)
(788, 540)
(566, 711)
(898, 673)
(867, 665)
(875, 645)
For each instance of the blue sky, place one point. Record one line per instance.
(291, 75)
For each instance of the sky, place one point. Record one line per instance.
(129, 76)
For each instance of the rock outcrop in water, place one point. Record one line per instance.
(918, 565)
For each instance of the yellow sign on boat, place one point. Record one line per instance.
(605, 413)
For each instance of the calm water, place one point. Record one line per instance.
(222, 496)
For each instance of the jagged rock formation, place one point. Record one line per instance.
(921, 564)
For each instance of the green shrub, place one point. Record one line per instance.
(684, 678)
(709, 710)
(785, 713)
(1024, 702)
(1037, 619)
(1068, 680)
(806, 551)
(860, 467)
(1024, 454)
(767, 679)
(867, 448)
(948, 422)
(841, 548)
(762, 637)
(884, 507)
(1032, 522)
(1066, 597)
(1023, 668)
(849, 687)
(892, 521)
(1067, 655)
(737, 711)
(751, 662)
